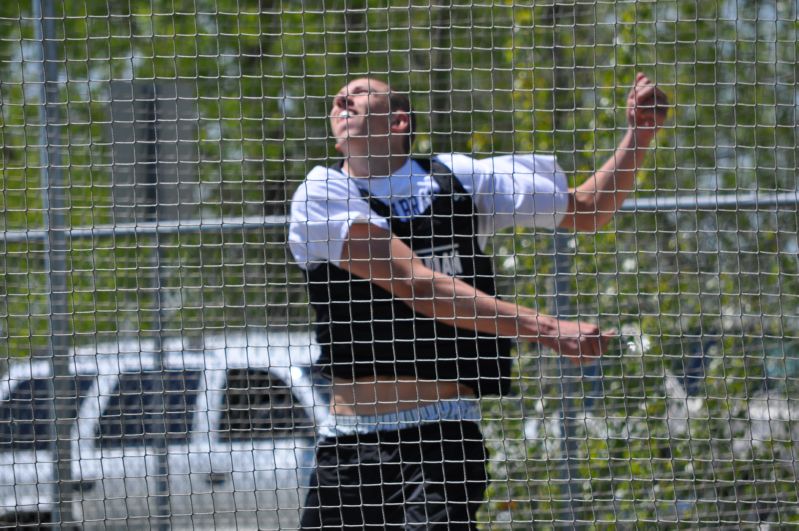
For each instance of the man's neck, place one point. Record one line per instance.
(373, 166)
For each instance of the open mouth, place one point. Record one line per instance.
(346, 114)
(345, 111)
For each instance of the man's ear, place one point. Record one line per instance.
(400, 122)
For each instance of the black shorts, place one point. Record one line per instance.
(426, 477)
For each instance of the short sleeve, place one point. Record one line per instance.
(323, 209)
(514, 190)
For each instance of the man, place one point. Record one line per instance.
(406, 314)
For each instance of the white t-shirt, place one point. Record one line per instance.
(510, 190)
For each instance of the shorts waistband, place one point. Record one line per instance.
(459, 409)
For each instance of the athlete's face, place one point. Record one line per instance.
(361, 113)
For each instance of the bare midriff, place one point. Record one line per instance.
(377, 395)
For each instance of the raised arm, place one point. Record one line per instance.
(593, 203)
(375, 254)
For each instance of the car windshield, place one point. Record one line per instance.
(148, 406)
(259, 405)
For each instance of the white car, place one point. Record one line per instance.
(216, 437)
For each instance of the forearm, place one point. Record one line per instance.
(600, 196)
(375, 254)
(454, 302)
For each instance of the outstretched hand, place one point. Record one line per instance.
(647, 106)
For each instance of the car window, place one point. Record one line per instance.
(26, 416)
(146, 406)
(259, 405)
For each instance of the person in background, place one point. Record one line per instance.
(411, 330)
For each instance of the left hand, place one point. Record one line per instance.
(647, 106)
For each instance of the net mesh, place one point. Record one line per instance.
(148, 154)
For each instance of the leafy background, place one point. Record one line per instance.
(690, 417)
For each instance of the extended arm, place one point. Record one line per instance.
(594, 202)
(377, 255)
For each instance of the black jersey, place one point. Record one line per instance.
(363, 331)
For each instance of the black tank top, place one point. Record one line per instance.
(363, 331)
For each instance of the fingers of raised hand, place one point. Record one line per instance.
(647, 105)
(650, 98)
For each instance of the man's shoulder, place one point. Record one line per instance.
(459, 163)
(323, 183)
(324, 174)
(462, 164)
